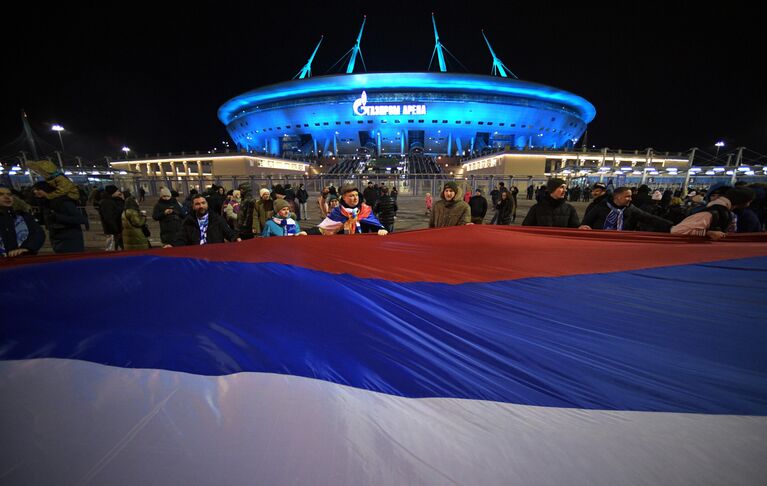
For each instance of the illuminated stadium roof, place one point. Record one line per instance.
(397, 113)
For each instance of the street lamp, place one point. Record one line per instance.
(126, 150)
(718, 145)
(58, 129)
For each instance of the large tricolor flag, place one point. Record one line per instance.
(470, 355)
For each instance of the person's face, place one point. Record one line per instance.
(265, 196)
(165, 198)
(597, 191)
(333, 203)
(284, 212)
(352, 198)
(200, 206)
(6, 197)
(38, 193)
(622, 199)
(559, 192)
(118, 194)
(449, 194)
(504, 195)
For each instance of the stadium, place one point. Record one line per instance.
(404, 114)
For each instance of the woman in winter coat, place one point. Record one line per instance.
(170, 213)
(133, 220)
(504, 208)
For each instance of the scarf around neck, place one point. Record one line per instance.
(614, 220)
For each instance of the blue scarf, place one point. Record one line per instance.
(203, 222)
(288, 225)
(614, 220)
(22, 232)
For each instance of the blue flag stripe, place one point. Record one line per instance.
(687, 338)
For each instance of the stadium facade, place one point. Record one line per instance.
(436, 113)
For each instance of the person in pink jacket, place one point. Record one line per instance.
(717, 219)
(428, 201)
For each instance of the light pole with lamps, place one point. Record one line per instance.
(58, 129)
(718, 145)
(126, 150)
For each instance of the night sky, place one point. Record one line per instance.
(670, 77)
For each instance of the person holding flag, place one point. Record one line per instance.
(351, 216)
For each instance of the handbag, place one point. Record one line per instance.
(145, 230)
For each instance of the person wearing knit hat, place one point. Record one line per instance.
(262, 211)
(351, 216)
(282, 222)
(553, 210)
(450, 210)
(170, 214)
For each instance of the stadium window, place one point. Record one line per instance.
(278, 128)
(479, 123)
(286, 126)
(270, 129)
(325, 123)
(370, 122)
(513, 125)
(541, 129)
(396, 121)
(444, 121)
(553, 118)
(524, 126)
(360, 122)
(458, 122)
(421, 121)
(384, 121)
(502, 124)
(306, 125)
(347, 122)
(411, 121)
(467, 123)
(338, 123)
(489, 123)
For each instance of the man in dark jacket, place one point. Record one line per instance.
(63, 219)
(19, 232)
(478, 205)
(370, 195)
(203, 227)
(552, 210)
(170, 213)
(599, 193)
(386, 209)
(111, 210)
(617, 213)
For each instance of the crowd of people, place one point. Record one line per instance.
(216, 215)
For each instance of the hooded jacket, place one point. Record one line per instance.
(450, 213)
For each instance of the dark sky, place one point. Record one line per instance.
(669, 77)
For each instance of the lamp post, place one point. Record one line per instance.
(58, 129)
(126, 150)
(718, 145)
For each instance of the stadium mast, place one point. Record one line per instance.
(498, 66)
(356, 49)
(438, 47)
(306, 71)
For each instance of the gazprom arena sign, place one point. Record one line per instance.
(362, 108)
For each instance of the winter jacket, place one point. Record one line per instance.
(273, 228)
(504, 208)
(385, 209)
(716, 217)
(218, 231)
(478, 205)
(170, 224)
(133, 236)
(450, 213)
(11, 228)
(63, 219)
(552, 212)
(111, 210)
(632, 217)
